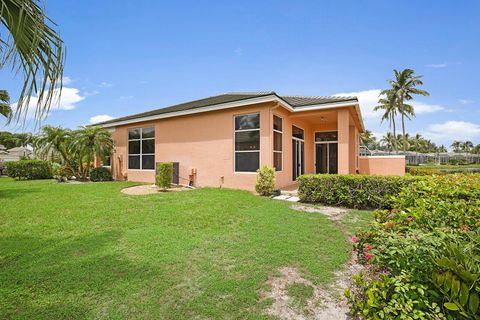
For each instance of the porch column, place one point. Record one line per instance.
(352, 149)
(343, 125)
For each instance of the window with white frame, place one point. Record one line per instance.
(247, 142)
(141, 148)
(277, 143)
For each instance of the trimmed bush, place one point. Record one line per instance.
(265, 184)
(29, 169)
(164, 175)
(351, 191)
(100, 174)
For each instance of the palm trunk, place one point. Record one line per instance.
(403, 127)
(394, 134)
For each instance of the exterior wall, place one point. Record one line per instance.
(203, 144)
(383, 165)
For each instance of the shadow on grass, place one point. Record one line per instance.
(56, 278)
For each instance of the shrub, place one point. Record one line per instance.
(164, 175)
(352, 191)
(265, 183)
(380, 296)
(433, 236)
(418, 171)
(29, 169)
(100, 174)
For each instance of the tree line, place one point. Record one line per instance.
(416, 143)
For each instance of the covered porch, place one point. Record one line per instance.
(320, 141)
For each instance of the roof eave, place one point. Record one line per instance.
(245, 102)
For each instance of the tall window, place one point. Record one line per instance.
(141, 148)
(247, 142)
(277, 143)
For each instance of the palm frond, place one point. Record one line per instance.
(35, 49)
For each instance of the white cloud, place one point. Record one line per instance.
(452, 130)
(68, 100)
(105, 85)
(67, 80)
(436, 65)
(368, 99)
(465, 101)
(421, 107)
(100, 118)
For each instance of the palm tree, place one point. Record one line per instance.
(53, 141)
(456, 146)
(31, 46)
(5, 109)
(90, 142)
(387, 104)
(442, 149)
(418, 143)
(403, 87)
(467, 146)
(388, 141)
(367, 138)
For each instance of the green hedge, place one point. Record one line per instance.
(351, 191)
(29, 169)
(100, 174)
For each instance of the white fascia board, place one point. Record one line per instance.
(234, 104)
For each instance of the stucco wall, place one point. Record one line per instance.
(383, 165)
(204, 143)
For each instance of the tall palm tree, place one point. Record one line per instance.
(90, 142)
(387, 104)
(5, 109)
(403, 87)
(31, 46)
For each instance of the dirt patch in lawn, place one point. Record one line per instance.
(333, 213)
(324, 302)
(150, 189)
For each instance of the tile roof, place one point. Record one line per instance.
(294, 101)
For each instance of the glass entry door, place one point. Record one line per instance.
(326, 158)
(298, 152)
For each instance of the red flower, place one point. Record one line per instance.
(354, 239)
(368, 256)
(367, 248)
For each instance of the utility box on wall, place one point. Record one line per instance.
(176, 171)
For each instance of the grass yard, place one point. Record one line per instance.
(89, 251)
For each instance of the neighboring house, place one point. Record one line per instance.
(13, 154)
(221, 141)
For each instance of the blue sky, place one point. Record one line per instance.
(125, 57)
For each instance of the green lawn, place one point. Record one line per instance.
(89, 251)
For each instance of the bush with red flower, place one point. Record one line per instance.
(431, 240)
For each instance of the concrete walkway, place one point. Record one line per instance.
(289, 193)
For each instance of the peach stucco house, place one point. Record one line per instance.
(221, 141)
